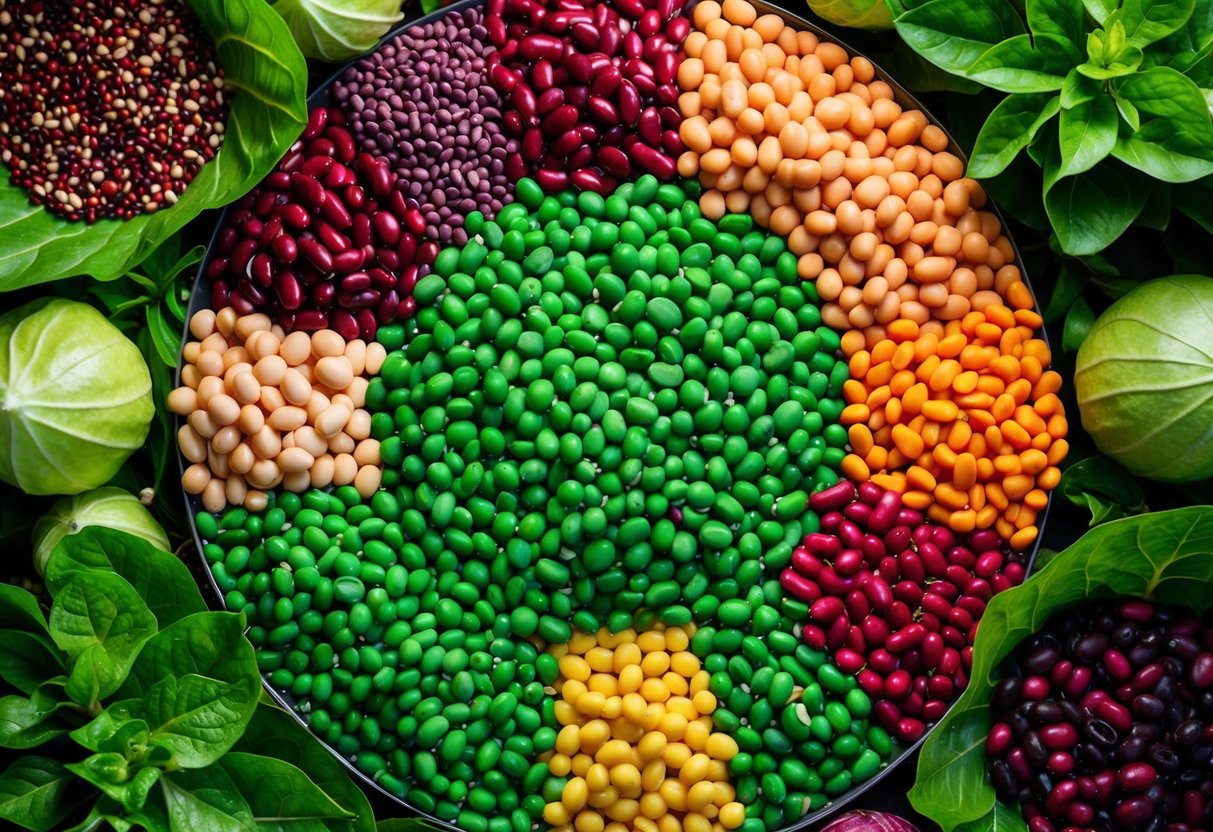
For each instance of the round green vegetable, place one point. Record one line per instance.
(337, 30)
(109, 506)
(1145, 379)
(857, 14)
(75, 397)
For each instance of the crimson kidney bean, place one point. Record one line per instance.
(295, 248)
(1128, 744)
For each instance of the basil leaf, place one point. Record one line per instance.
(278, 791)
(100, 622)
(27, 724)
(1026, 63)
(1101, 10)
(953, 34)
(1166, 557)
(275, 733)
(205, 799)
(1147, 21)
(1086, 134)
(38, 793)
(1008, 130)
(1063, 18)
(19, 610)
(195, 683)
(1099, 484)
(108, 771)
(28, 660)
(1090, 210)
(1077, 89)
(265, 76)
(1175, 141)
(112, 731)
(159, 577)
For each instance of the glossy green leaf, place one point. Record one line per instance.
(1104, 488)
(266, 76)
(1126, 62)
(100, 622)
(953, 34)
(19, 610)
(195, 683)
(856, 14)
(280, 792)
(1063, 18)
(1175, 141)
(1100, 10)
(38, 793)
(275, 733)
(1077, 89)
(1008, 130)
(1079, 321)
(1165, 556)
(205, 799)
(25, 723)
(159, 577)
(28, 659)
(1026, 63)
(1086, 133)
(1147, 21)
(1069, 286)
(108, 771)
(1090, 210)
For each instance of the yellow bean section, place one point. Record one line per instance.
(637, 743)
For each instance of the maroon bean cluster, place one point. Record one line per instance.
(328, 241)
(896, 599)
(425, 103)
(108, 109)
(1108, 722)
(593, 87)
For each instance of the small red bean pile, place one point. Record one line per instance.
(1108, 723)
(424, 101)
(328, 241)
(896, 600)
(108, 109)
(593, 87)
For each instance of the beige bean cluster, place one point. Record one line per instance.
(809, 142)
(265, 409)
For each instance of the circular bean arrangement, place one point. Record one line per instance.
(1107, 722)
(650, 537)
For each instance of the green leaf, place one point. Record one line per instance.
(1090, 210)
(100, 621)
(953, 34)
(1101, 10)
(1165, 556)
(265, 76)
(111, 732)
(109, 772)
(1175, 141)
(1195, 200)
(279, 792)
(1063, 18)
(19, 610)
(1069, 287)
(25, 723)
(275, 733)
(1079, 321)
(1078, 89)
(195, 683)
(1126, 62)
(37, 793)
(917, 73)
(205, 799)
(166, 338)
(28, 660)
(1127, 112)
(1008, 130)
(159, 577)
(1102, 486)
(1086, 133)
(856, 14)
(1026, 63)
(1147, 21)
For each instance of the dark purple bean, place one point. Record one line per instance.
(349, 260)
(308, 189)
(316, 254)
(334, 211)
(295, 215)
(286, 287)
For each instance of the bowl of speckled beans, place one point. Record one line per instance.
(616, 417)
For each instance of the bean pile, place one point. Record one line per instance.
(1108, 722)
(645, 438)
(896, 600)
(813, 146)
(329, 241)
(968, 425)
(592, 87)
(266, 409)
(424, 103)
(143, 113)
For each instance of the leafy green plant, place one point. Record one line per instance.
(267, 77)
(1104, 488)
(136, 708)
(1108, 99)
(1166, 557)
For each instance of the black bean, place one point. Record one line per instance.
(1100, 732)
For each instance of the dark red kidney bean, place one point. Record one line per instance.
(609, 39)
(240, 303)
(855, 512)
(805, 562)
(407, 249)
(560, 120)
(579, 68)
(251, 229)
(316, 254)
(386, 227)
(379, 178)
(381, 280)
(649, 126)
(310, 320)
(825, 610)
(503, 78)
(413, 220)
(284, 248)
(339, 177)
(407, 307)
(585, 35)
(606, 81)
(344, 324)
(677, 30)
(665, 69)
(387, 258)
(270, 231)
(552, 180)
(649, 23)
(848, 661)
(262, 269)
(543, 75)
(317, 120)
(1133, 811)
(408, 279)
(581, 157)
(360, 230)
(495, 27)
(294, 159)
(644, 85)
(388, 305)
(833, 498)
(535, 47)
(532, 144)
(566, 143)
(427, 252)
(1201, 674)
(523, 99)
(1118, 666)
(251, 291)
(329, 237)
(226, 240)
(241, 256)
(334, 211)
(857, 606)
(317, 166)
(348, 261)
(601, 110)
(848, 562)
(1058, 736)
(216, 268)
(549, 101)
(323, 294)
(588, 179)
(871, 683)
(910, 729)
(367, 325)
(633, 45)
(286, 287)
(308, 189)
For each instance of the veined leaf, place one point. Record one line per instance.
(1026, 63)
(1008, 130)
(37, 793)
(953, 34)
